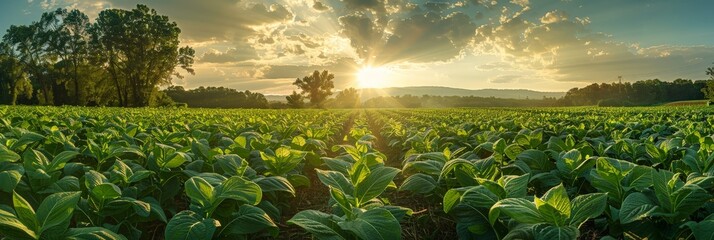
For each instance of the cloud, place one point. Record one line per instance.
(565, 50)
(505, 79)
(554, 17)
(319, 6)
(231, 55)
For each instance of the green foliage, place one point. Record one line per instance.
(317, 86)
(236, 174)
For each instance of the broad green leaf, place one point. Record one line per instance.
(10, 226)
(56, 209)
(688, 199)
(321, 225)
(175, 160)
(106, 191)
(587, 206)
(7, 155)
(479, 197)
(703, 230)
(374, 184)
(636, 207)
(558, 198)
(188, 225)
(275, 184)
(10, 175)
(25, 213)
(92, 233)
(512, 151)
(516, 186)
(550, 232)
(376, 223)
(61, 159)
(341, 200)
(419, 183)
(336, 180)
(518, 209)
(240, 189)
(200, 191)
(247, 220)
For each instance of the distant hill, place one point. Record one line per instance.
(447, 91)
(368, 93)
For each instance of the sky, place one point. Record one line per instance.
(545, 45)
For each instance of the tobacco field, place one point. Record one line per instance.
(492, 173)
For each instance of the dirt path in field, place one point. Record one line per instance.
(428, 220)
(315, 197)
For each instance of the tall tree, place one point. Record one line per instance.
(348, 98)
(28, 43)
(317, 86)
(68, 41)
(709, 90)
(141, 51)
(295, 100)
(13, 80)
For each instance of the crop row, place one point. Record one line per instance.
(566, 173)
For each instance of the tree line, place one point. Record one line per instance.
(640, 93)
(120, 59)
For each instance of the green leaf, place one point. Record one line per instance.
(550, 232)
(275, 184)
(558, 198)
(61, 159)
(189, 225)
(374, 184)
(10, 175)
(106, 191)
(336, 180)
(636, 206)
(587, 206)
(419, 183)
(479, 197)
(688, 199)
(56, 209)
(519, 209)
(298, 180)
(702, 230)
(7, 155)
(24, 212)
(175, 160)
(27, 138)
(341, 200)
(66, 184)
(231, 164)
(248, 220)
(10, 226)
(516, 186)
(512, 151)
(321, 225)
(240, 189)
(200, 191)
(376, 223)
(92, 233)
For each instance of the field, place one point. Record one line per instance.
(499, 173)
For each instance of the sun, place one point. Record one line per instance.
(372, 77)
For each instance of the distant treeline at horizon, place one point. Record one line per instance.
(639, 93)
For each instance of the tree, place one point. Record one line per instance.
(317, 86)
(13, 80)
(68, 40)
(295, 100)
(348, 98)
(709, 90)
(140, 50)
(28, 43)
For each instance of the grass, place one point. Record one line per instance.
(687, 103)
